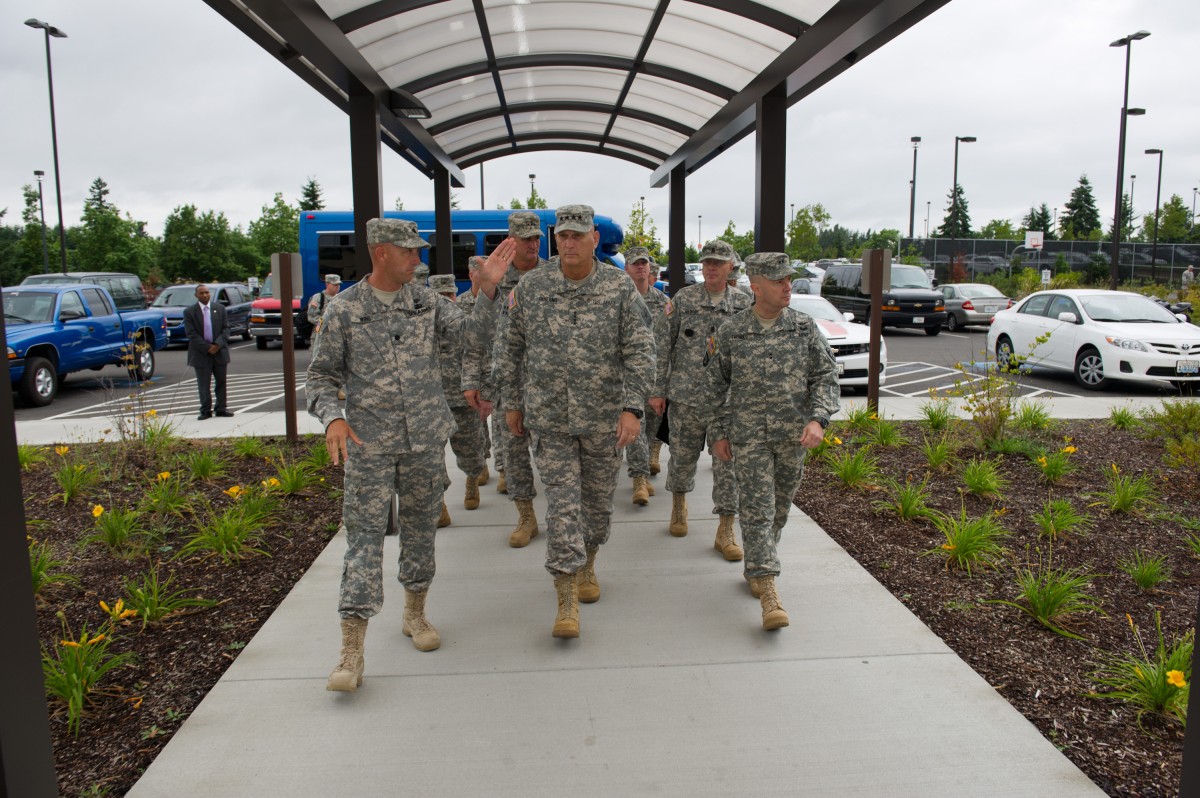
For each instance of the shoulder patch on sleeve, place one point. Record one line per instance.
(669, 307)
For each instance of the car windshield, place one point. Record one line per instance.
(176, 297)
(978, 291)
(1130, 308)
(816, 307)
(908, 277)
(28, 307)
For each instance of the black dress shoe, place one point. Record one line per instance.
(224, 414)
(203, 416)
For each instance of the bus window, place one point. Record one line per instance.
(491, 241)
(462, 248)
(335, 255)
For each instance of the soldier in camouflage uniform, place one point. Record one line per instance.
(641, 268)
(466, 303)
(579, 334)
(778, 379)
(467, 439)
(380, 339)
(691, 317)
(316, 306)
(479, 379)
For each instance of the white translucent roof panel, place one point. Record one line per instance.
(638, 153)
(461, 97)
(561, 83)
(648, 134)
(482, 130)
(664, 100)
(721, 47)
(520, 27)
(337, 8)
(409, 45)
(553, 121)
(703, 21)
(807, 11)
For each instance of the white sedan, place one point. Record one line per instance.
(850, 341)
(1098, 336)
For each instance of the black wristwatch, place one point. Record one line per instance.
(637, 413)
(823, 421)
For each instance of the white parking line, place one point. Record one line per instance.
(243, 392)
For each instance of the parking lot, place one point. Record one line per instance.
(918, 366)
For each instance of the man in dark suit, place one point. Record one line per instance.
(208, 350)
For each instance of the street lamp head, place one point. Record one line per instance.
(965, 139)
(1154, 152)
(39, 174)
(1133, 37)
(531, 177)
(915, 140)
(46, 26)
(1135, 112)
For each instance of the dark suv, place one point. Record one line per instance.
(908, 302)
(126, 288)
(234, 296)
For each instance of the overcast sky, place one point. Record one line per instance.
(170, 104)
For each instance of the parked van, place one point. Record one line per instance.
(909, 301)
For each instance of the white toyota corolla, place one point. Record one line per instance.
(1099, 336)
(850, 341)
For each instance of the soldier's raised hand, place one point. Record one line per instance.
(493, 269)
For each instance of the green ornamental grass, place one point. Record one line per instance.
(938, 453)
(1059, 517)
(230, 535)
(983, 478)
(1146, 570)
(886, 434)
(858, 469)
(1158, 683)
(971, 543)
(1051, 595)
(1126, 494)
(46, 569)
(908, 500)
(29, 456)
(1032, 415)
(155, 601)
(74, 669)
(204, 463)
(1123, 418)
(937, 415)
(250, 446)
(121, 531)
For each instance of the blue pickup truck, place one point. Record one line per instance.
(54, 330)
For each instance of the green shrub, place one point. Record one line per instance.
(970, 542)
(1160, 683)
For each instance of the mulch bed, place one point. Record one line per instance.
(179, 661)
(1042, 674)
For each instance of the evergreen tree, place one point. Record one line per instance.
(1080, 215)
(399, 204)
(1039, 219)
(641, 232)
(310, 196)
(108, 242)
(1128, 231)
(957, 223)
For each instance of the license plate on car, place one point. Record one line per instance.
(990, 308)
(841, 369)
(918, 319)
(1187, 366)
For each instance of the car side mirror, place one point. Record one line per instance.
(848, 316)
(1181, 317)
(1068, 317)
(70, 315)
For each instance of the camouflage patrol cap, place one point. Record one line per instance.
(524, 224)
(718, 250)
(580, 218)
(637, 253)
(772, 265)
(399, 232)
(333, 279)
(443, 284)
(420, 271)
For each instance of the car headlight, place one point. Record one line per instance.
(12, 355)
(1126, 343)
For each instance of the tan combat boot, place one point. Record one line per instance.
(773, 614)
(753, 583)
(501, 482)
(348, 675)
(471, 496)
(527, 525)
(566, 623)
(484, 476)
(341, 394)
(589, 588)
(416, 626)
(641, 490)
(444, 518)
(678, 527)
(655, 447)
(726, 543)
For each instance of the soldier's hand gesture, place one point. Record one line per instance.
(493, 269)
(335, 439)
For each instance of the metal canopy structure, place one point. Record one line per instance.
(666, 84)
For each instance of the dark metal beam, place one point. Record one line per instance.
(770, 171)
(365, 174)
(376, 12)
(485, 35)
(303, 25)
(647, 40)
(581, 107)
(443, 233)
(845, 34)
(624, 156)
(578, 60)
(490, 144)
(676, 238)
(758, 13)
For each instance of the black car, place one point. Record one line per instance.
(909, 301)
(125, 287)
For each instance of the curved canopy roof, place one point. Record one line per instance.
(655, 82)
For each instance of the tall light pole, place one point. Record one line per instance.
(50, 30)
(954, 206)
(1127, 43)
(531, 189)
(1132, 185)
(1193, 221)
(912, 191)
(699, 235)
(39, 175)
(927, 204)
(1157, 200)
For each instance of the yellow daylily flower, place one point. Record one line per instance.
(949, 546)
(151, 413)
(163, 475)
(97, 511)
(233, 491)
(69, 643)
(97, 639)
(1176, 678)
(61, 450)
(1068, 450)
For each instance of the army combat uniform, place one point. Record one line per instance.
(774, 378)
(586, 352)
(638, 454)
(690, 320)
(466, 303)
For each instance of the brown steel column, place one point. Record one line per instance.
(770, 171)
(676, 245)
(443, 239)
(365, 173)
(26, 757)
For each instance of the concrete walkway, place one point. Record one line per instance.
(673, 689)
